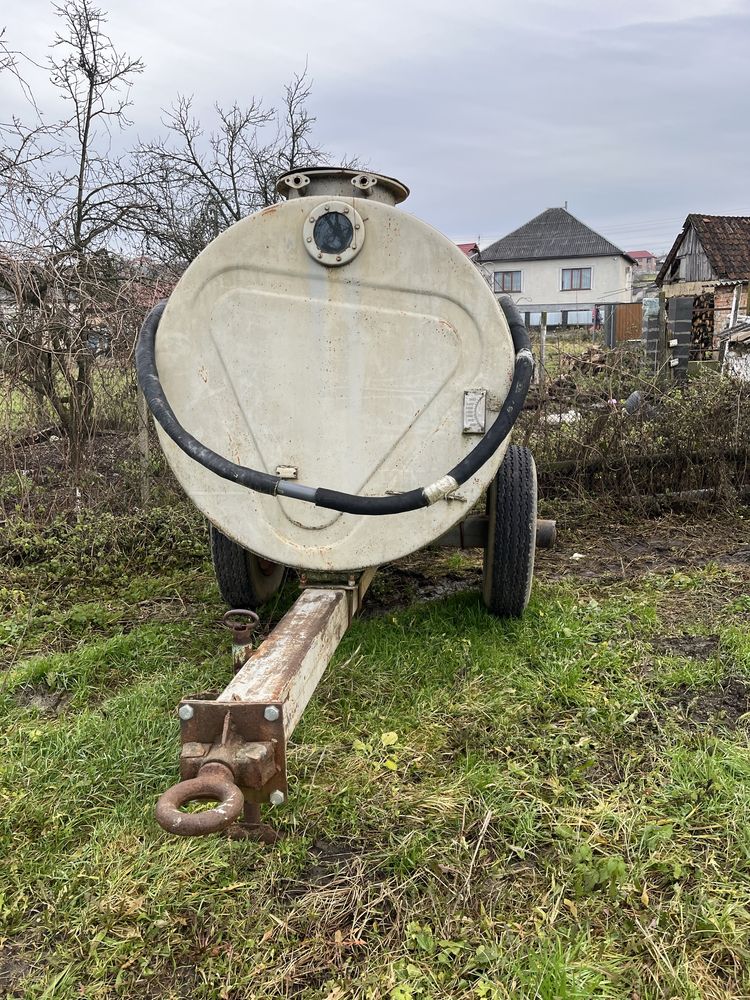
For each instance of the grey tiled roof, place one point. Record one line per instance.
(554, 233)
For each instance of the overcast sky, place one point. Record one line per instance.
(635, 114)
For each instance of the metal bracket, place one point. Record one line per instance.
(232, 734)
(356, 586)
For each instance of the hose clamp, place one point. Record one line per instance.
(440, 489)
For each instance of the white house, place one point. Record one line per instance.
(556, 264)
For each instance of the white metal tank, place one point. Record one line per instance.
(333, 340)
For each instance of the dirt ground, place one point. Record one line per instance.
(607, 554)
(594, 561)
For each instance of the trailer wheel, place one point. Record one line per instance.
(511, 535)
(245, 580)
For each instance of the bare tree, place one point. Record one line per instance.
(73, 212)
(66, 203)
(200, 183)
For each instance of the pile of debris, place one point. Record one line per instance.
(734, 349)
(592, 361)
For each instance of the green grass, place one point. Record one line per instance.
(477, 809)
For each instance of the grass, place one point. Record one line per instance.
(555, 808)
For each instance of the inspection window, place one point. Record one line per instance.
(507, 281)
(574, 278)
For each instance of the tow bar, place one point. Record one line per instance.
(234, 746)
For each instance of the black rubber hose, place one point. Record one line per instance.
(349, 503)
(346, 503)
(514, 401)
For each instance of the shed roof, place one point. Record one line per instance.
(640, 254)
(552, 234)
(725, 240)
(468, 248)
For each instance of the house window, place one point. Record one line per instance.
(574, 278)
(507, 281)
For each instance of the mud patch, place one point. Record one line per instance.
(15, 965)
(330, 863)
(428, 575)
(724, 705)
(616, 552)
(696, 647)
(740, 557)
(44, 699)
(44, 477)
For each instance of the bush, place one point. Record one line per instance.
(679, 438)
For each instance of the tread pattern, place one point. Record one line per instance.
(511, 535)
(242, 584)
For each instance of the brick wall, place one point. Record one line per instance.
(723, 306)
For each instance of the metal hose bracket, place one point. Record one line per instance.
(215, 783)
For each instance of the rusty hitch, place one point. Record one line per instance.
(215, 783)
(234, 744)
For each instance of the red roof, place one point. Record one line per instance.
(640, 254)
(468, 248)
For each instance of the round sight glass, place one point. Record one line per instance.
(333, 232)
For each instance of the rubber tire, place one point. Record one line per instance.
(511, 535)
(245, 580)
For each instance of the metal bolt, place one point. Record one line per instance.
(338, 258)
(185, 712)
(312, 218)
(276, 798)
(320, 255)
(309, 239)
(271, 713)
(356, 226)
(346, 211)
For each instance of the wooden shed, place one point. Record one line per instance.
(705, 283)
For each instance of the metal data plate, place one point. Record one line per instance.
(475, 411)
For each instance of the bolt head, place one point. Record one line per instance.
(271, 713)
(276, 798)
(186, 712)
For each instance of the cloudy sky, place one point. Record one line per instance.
(635, 114)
